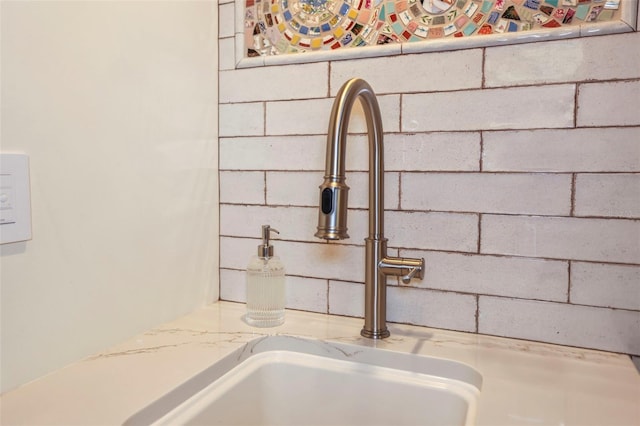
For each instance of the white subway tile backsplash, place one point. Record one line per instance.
(226, 20)
(311, 116)
(544, 194)
(232, 285)
(432, 230)
(294, 188)
(226, 54)
(272, 153)
(437, 151)
(563, 150)
(284, 82)
(324, 260)
(595, 58)
(512, 170)
(494, 275)
(389, 110)
(606, 240)
(298, 117)
(346, 298)
(246, 221)
(490, 109)
(241, 119)
(242, 187)
(612, 195)
(357, 152)
(584, 326)
(306, 294)
(439, 309)
(236, 252)
(359, 190)
(612, 286)
(442, 72)
(609, 104)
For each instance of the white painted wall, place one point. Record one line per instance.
(115, 102)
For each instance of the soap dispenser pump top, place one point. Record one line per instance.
(265, 250)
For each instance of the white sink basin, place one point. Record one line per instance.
(282, 380)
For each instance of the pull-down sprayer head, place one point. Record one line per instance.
(332, 216)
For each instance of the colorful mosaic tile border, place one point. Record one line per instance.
(275, 27)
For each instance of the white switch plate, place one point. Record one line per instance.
(15, 198)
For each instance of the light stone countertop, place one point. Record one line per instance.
(524, 383)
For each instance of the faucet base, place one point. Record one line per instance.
(376, 334)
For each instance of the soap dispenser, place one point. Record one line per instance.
(265, 285)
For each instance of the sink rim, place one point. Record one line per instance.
(460, 374)
(419, 363)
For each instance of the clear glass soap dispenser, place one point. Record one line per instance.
(265, 285)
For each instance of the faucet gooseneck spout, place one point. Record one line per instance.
(332, 215)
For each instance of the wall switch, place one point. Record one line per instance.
(15, 198)
(7, 199)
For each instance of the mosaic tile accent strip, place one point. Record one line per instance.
(275, 27)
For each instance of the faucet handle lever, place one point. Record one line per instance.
(405, 268)
(407, 278)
